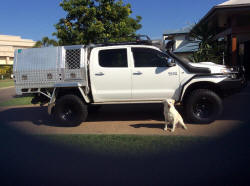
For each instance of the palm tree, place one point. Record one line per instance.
(46, 42)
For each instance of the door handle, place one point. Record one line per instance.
(99, 74)
(137, 73)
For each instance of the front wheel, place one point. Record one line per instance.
(70, 110)
(203, 106)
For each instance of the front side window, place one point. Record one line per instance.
(147, 57)
(113, 58)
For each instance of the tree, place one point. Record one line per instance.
(209, 48)
(46, 42)
(94, 21)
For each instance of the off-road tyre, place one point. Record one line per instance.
(70, 110)
(203, 106)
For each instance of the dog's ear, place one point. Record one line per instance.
(169, 101)
(173, 101)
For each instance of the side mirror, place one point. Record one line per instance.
(170, 62)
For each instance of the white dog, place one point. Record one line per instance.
(172, 115)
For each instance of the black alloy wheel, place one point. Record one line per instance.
(203, 106)
(70, 110)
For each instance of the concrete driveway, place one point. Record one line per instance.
(140, 119)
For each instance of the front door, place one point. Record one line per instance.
(152, 78)
(110, 75)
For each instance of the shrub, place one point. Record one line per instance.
(6, 71)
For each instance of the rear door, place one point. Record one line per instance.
(110, 74)
(152, 79)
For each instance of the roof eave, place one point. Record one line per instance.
(212, 11)
(175, 34)
(233, 5)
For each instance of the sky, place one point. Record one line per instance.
(32, 19)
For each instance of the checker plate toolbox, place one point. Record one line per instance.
(38, 68)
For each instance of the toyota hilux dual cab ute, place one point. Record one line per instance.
(75, 79)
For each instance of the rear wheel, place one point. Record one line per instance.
(70, 110)
(203, 106)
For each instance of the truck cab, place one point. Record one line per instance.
(132, 73)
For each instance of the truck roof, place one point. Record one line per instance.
(121, 43)
(137, 41)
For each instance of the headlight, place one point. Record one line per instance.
(229, 71)
(225, 71)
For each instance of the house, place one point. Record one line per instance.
(8, 44)
(231, 22)
(179, 41)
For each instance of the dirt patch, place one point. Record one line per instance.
(125, 119)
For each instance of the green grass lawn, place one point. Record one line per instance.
(16, 101)
(47, 159)
(111, 145)
(125, 145)
(6, 83)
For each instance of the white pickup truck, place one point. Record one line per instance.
(74, 79)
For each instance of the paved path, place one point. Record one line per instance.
(146, 119)
(7, 93)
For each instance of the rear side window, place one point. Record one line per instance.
(113, 58)
(147, 57)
